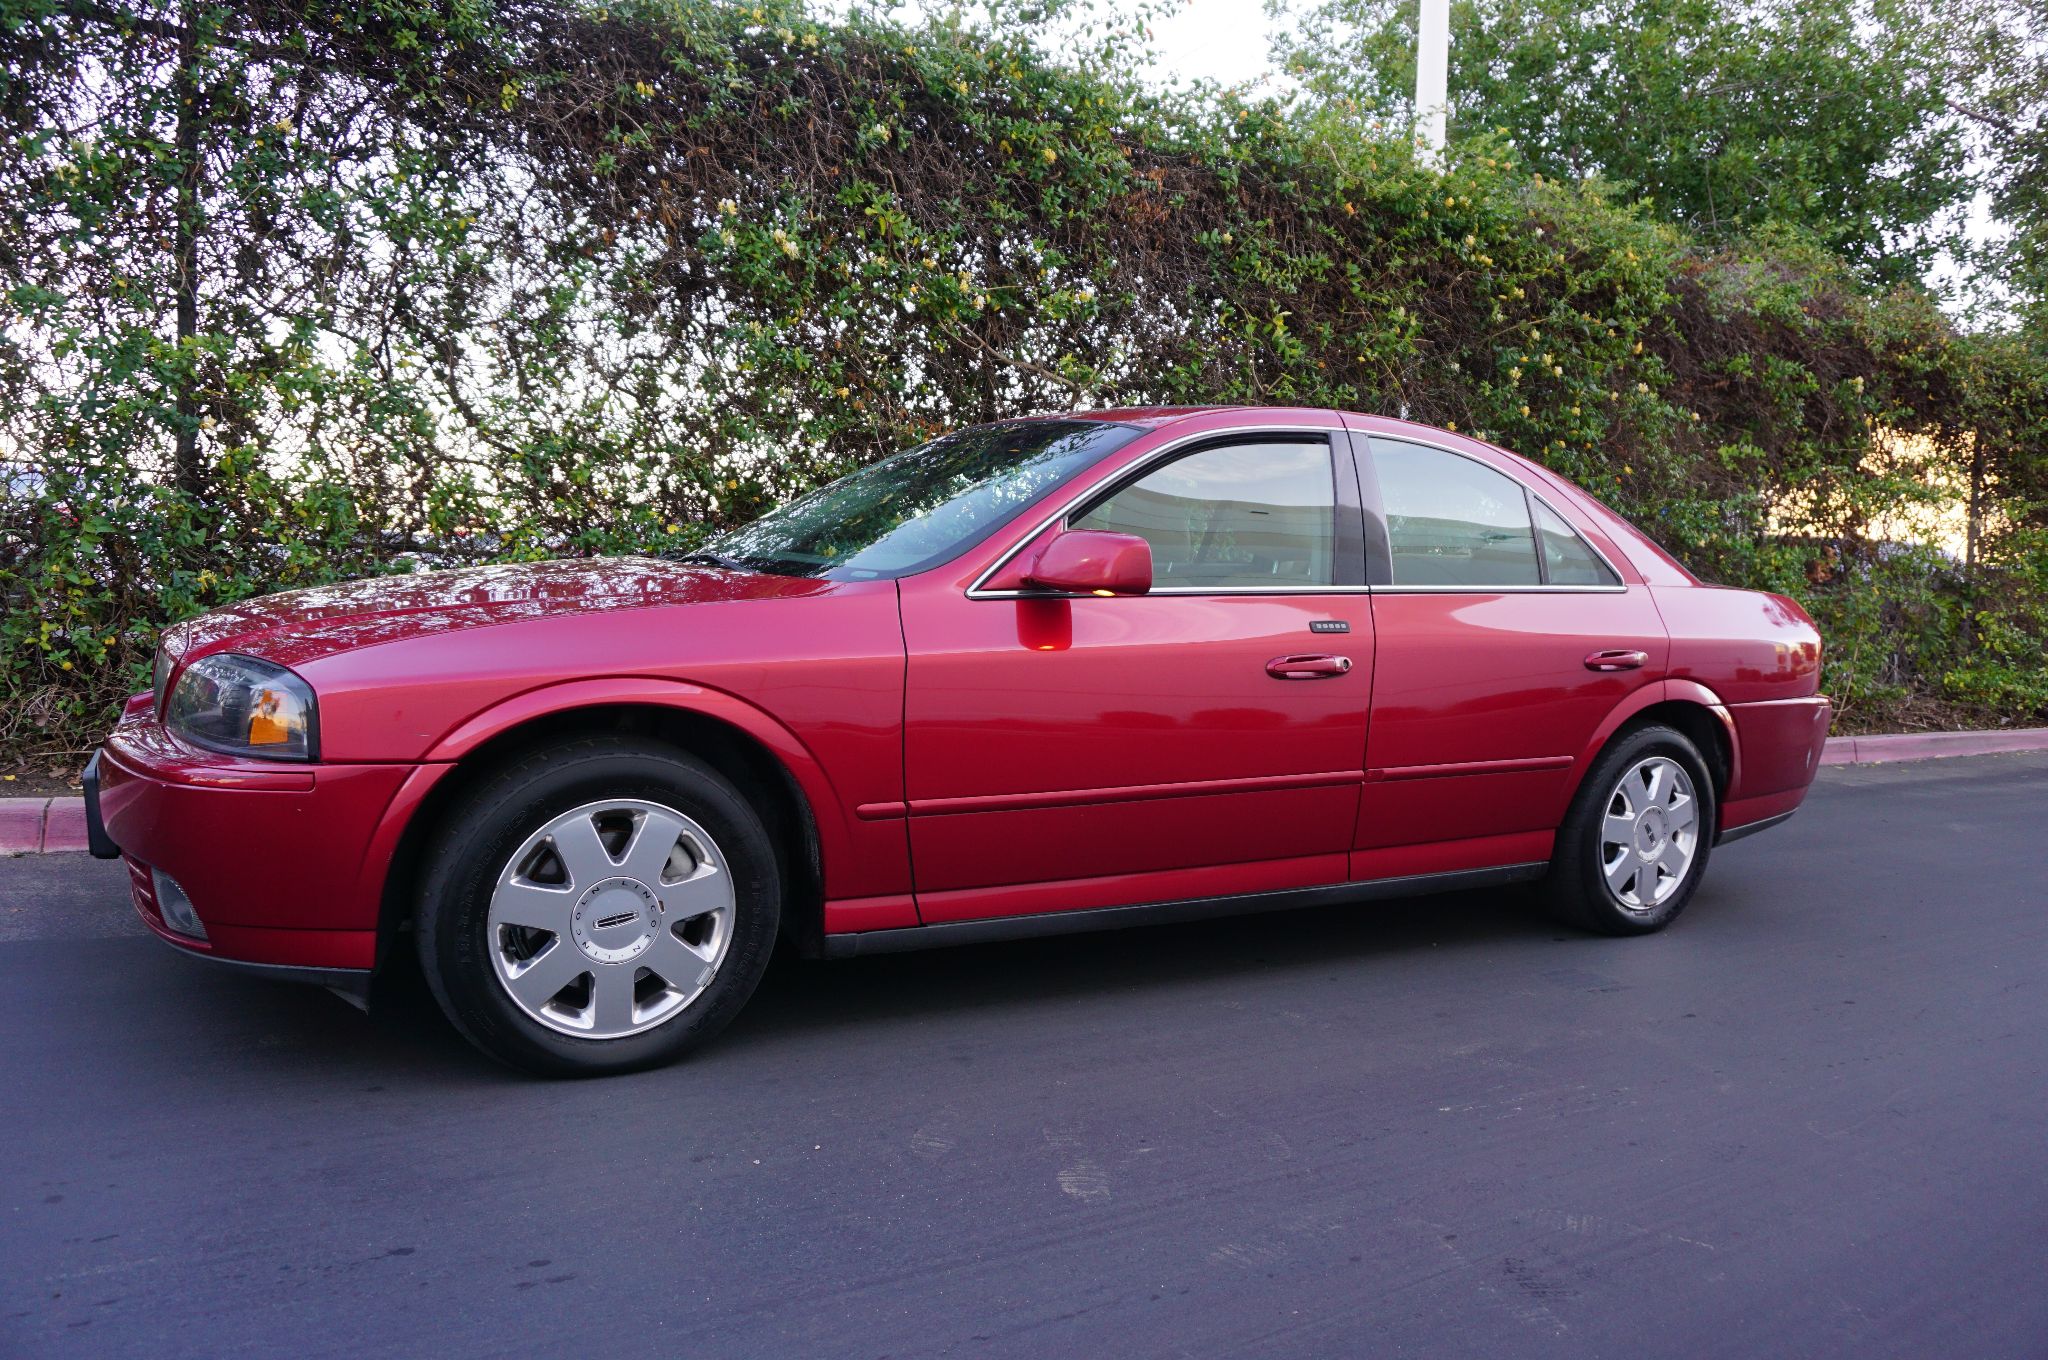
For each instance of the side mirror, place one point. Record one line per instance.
(1092, 562)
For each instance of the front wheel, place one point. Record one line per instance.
(1634, 845)
(598, 906)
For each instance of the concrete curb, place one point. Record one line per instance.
(30, 826)
(1931, 745)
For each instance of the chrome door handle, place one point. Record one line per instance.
(1307, 667)
(1617, 659)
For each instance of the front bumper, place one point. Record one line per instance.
(284, 865)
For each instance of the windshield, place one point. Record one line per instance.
(921, 507)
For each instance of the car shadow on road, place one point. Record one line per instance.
(800, 995)
(406, 1041)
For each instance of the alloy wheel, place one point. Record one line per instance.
(611, 918)
(1649, 834)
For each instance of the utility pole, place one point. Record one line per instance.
(1432, 76)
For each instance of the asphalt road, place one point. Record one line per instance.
(1811, 1119)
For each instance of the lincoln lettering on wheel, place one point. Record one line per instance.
(1225, 659)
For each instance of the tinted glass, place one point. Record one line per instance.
(1568, 559)
(1244, 515)
(1452, 521)
(921, 507)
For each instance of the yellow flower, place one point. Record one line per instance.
(642, 88)
(1049, 155)
(1525, 408)
(727, 208)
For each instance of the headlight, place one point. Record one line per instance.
(245, 707)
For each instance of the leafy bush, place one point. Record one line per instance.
(304, 291)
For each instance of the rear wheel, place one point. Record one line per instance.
(1634, 845)
(599, 906)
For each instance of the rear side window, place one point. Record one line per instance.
(1569, 560)
(1238, 516)
(1452, 521)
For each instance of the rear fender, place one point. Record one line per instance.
(1649, 696)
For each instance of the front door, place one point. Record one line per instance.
(1063, 753)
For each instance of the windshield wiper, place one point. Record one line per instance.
(709, 559)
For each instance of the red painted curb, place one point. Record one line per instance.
(64, 825)
(21, 824)
(1931, 745)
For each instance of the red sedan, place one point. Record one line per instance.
(1054, 674)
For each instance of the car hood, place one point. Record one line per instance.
(298, 625)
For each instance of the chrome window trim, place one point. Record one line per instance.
(1325, 432)
(1328, 434)
(1621, 588)
(1620, 584)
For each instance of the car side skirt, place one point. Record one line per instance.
(1751, 828)
(998, 928)
(352, 983)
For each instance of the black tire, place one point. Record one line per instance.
(473, 843)
(1577, 890)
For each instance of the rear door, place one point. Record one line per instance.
(1505, 640)
(1072, 752)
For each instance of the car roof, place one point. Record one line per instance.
(1149, 416)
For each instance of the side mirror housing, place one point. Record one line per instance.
(1092, 562)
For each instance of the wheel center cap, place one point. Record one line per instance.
(1650, 831)
(615, 920)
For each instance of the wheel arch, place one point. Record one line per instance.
(1687, 705)
(770, 767)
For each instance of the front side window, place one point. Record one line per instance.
(1239, 516)
(1453, 521)
(918, 508)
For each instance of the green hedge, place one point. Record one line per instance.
(299, 292)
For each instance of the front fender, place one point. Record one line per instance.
(827, 808)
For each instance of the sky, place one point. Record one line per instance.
(1220, 40)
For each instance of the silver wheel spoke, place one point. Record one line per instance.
(611, 1001)
(1659, 784)
(1622, 868)
(583, 854)
(538, 979)
(533, 906)
(680, 964)
(1674, 859)
(647, 853)
(705, 890)
(1684, 812)
(1618, 830)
